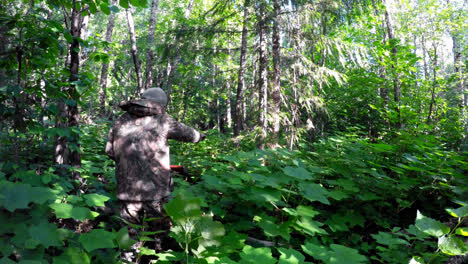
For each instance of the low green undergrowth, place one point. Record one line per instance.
(338, 200)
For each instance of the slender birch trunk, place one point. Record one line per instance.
(150, 54)
(134, 50)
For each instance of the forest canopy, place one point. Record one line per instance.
(337, 130)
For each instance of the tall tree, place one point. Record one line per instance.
(105, 64)
(150, 52)
(134, 50)
(67, 148)
(263, 73)
(396, 78)
(276, 53)
(241, 76)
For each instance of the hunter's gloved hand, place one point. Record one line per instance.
(202, 136)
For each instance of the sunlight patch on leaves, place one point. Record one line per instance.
(430, 226)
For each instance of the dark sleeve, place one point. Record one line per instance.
(181, 132)
(110, 144)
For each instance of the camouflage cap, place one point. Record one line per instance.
(156, 95)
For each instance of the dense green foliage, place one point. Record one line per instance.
(369, 164)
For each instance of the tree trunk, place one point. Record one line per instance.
(105, 65)
(136, 61)
(276, 53)
(67, 149)
(228, 90)
(150, 53)
(241, 78)
(434, 84)
(396, 78)
(263, 76)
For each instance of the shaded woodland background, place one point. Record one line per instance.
(303, 101)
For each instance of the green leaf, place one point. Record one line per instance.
(45, 234)
(15, 195)
(310, 226)
(170, 256)
(314, 192)
(452, 245)
(250, 255)
(123, 3)
(430, 226)
(298, 173)
(290, 256)
(417, 260)
(459, 212)
(147, 252)
(211, 232)
(389, 239)
(123, 239)
(65, 211)
(463, 231)
(272, 229)
(315, 250)
(94, 199)
(181, 208)
(105, 9)
(345, 255)
(73, 255)
(97, 238)
(114, 9)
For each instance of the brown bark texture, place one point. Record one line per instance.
(241, 76)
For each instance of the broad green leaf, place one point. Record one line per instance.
(148, 252)
(462, 231)
(314, 192)
(73, 255)
(430, 226)
(94, 199)
(310, 226)
(262, 195)
(42, 194)
(290, 256)
(65, 211)
(211, 232)
(123, 239)
(315, 250)
(298, 173)
(272, 229)
(105, 9)
(97, 238)
(452, 245)
(459, 212)
(45, 234)
(233, 241)
(123, 3)
(345, 255)
(306, 211)
(15, 195)
(252, 255)
(389, 239)
(181, 208)
(170, 256)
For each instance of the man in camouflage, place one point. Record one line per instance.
(137, 142)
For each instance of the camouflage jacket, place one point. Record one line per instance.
(137, 142)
